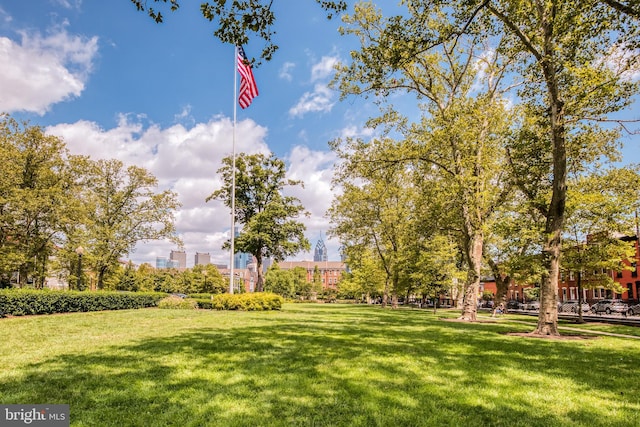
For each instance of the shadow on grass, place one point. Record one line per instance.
(340, 366)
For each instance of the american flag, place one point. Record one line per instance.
(248, 87)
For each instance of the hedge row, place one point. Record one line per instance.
(177, 303)
(20, 302)
(247, 302)
(204, 303)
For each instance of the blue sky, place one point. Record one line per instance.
(113, 84)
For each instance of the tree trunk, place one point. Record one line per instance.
(260, 280)
(580, 300)
(472, 285)
(22, 276)
(101, 273)
(548, 317)
(502, 286)
(385, 294)
(394, 291)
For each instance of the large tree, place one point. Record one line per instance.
(571, 70)
(601, 218)
(36, 199)
(123, 207)
(376, 209)
(268, 216)
(236, 21)
(574, 58)
(366, 276)
(461, 134)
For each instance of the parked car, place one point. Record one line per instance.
(634, 310)
(514, 305)
(610, 306)
(532, 305)
(571, 306)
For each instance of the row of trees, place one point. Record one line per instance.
(201, 279)
(294, 284)
(52, 203)
(504, 152)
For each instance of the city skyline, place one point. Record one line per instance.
(240, 262)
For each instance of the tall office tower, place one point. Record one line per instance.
(320, 253)
(202, 258)
(161, 262)
(241, 259)
(180, 257)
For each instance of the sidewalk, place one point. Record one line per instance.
(567, 328)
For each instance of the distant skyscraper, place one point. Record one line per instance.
(241, 259)
(161, 262)
(180, 257)
(202, 258)
(320, 253)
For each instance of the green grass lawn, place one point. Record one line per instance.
(314, 365)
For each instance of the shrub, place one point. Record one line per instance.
(247, 302)
(21, 302)
(204, 303)
(200, 296)
(177, 303)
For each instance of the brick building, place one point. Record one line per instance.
(330, 271)
(568, 286)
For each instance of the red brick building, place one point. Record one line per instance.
(330, 271)
(628, 279)
(568, 286)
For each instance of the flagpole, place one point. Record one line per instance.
(233, 171)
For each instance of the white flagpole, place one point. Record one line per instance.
(233, 171)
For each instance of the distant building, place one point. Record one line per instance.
(241, 259)
(180, 257)
(568, 288)
(330, 271)
(161, 262)
(245, 278)
(320, 254)
(202, 258)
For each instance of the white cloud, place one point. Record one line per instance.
(184, 116)
(315, 170)
(183, 159)
(285, 71)
(323, 69)
(4, 16)
(320, 100)
(69, 4)
(41, 71)
(624, 62)
(355, 131)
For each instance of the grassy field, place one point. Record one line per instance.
(314, 365)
